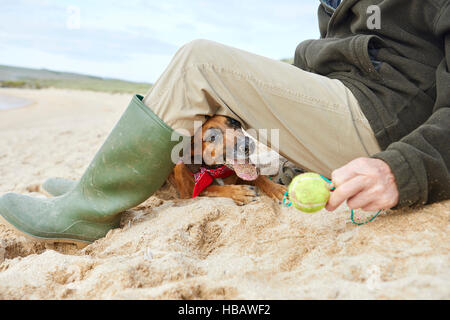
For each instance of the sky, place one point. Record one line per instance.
(136, 39)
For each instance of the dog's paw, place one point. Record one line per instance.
(241, 194)
(244, 194)
(276, 191)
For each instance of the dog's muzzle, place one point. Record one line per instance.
(243, 148)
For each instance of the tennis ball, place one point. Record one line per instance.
(309, 192)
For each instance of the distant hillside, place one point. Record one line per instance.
(18, 77)
(288, 60)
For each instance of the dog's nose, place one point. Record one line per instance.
(249, 146)
(245, 147)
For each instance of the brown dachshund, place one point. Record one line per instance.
(223, 143)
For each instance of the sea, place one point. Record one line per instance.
(10, 102)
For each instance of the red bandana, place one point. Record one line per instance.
(205, 177)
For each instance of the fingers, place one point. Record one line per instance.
(345, 191)
(345, 173)
(361, 201)
(372, 198)
(371, 207)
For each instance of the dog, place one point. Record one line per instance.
(224, 149)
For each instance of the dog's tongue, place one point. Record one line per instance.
(246, 171)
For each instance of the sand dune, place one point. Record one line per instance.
(201, 248)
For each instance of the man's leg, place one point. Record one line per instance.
(320, 122)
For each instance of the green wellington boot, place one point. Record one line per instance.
(132, 164)
(58, 186)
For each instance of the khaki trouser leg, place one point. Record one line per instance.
(321, 126)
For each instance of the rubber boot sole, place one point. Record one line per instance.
(79, 244)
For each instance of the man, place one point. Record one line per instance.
(367, 106)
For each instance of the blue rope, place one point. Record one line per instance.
(329, 181)
(361, 223)
(285, 204)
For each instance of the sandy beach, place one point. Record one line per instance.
(203, 248)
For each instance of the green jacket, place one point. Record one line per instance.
(400, 75)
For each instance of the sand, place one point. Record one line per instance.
(201, 248)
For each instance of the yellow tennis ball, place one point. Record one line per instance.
(309, 192)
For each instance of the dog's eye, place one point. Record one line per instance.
(212, 135)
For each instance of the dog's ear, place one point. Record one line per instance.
(234, 124)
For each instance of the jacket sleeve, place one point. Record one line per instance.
(324, 19)
(421, 160)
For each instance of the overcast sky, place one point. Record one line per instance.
(135, 39)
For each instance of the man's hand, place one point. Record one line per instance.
(366, 184)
